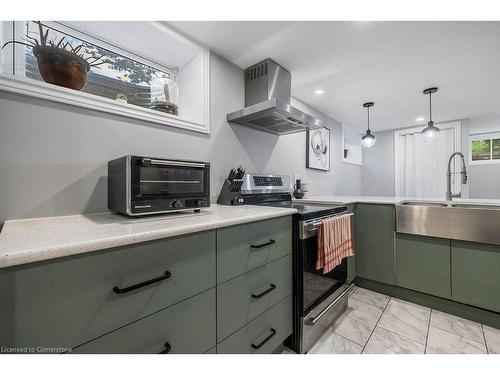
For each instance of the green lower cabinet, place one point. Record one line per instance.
(68, 301)
(375, 229)
(475, 270)
(245, 297)
(187, 327)
(423, 264)
(263, 334)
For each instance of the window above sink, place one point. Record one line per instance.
(484, 148)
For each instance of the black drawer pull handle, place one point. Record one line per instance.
(167, 350)
(118, 290)
(273, 332)
(270, 242)
(260, 295)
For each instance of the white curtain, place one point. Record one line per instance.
(422, 164)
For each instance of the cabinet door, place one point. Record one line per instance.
(186, 327)
(263, 334)
(245, 247)
(245, 297)
(423, 264)
(68, 301)
(475, 274)
(375, 225)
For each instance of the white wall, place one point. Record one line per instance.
(53, 157)
(378, 164)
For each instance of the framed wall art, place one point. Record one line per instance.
(318, 149)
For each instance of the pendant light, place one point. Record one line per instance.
(368, 139)
(430, 131)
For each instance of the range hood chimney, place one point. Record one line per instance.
(267, 102)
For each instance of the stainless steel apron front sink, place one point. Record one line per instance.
(459, 221)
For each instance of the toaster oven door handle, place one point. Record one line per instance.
(172, 163)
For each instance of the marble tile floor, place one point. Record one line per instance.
(378, 324)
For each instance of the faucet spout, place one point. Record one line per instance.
(463, 173)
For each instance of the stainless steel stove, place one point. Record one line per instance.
(318, 299)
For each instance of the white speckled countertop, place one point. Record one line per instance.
(347, 199)
(33, 240)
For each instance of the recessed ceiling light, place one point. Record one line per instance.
(419, 119)
(319, 91)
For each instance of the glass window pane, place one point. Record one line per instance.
(111, 75)
(495, 152)
(481, 149)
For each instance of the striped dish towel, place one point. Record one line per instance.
(334, 242)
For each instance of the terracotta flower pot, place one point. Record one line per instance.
(61, 67)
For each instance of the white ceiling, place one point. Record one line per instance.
(389, 63)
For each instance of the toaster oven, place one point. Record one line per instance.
(139, 185)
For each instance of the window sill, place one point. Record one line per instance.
(43, 90)
(477, 162)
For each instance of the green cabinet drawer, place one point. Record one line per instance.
(263, 334)
(375, 230)
(187, 327)
(238, 300)
(423, 264)
(475, 274)
(69, 301)
(239, 248)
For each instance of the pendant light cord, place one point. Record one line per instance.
(430, 107)
(368, 112)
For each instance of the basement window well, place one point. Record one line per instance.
(143, 70)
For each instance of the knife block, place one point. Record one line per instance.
(228, 197)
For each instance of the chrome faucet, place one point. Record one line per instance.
(449, 194)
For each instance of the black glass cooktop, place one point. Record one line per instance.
(305, 211)
(309, 211)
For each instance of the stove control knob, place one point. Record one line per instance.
(177, 204)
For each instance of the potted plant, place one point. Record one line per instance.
(59, 62)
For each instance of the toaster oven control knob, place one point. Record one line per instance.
(177, 204)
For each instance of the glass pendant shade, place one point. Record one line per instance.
(368, 140)
(430, 132)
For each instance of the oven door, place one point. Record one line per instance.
(167, 179)
(320, 298)
(316, 285)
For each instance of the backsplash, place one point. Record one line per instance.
(53, 159)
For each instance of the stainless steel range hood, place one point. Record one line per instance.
(267, 102)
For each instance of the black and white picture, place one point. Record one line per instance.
(318, 149)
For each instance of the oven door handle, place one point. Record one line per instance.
(172, 163)
(313, 321)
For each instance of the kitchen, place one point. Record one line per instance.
(261, 150)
